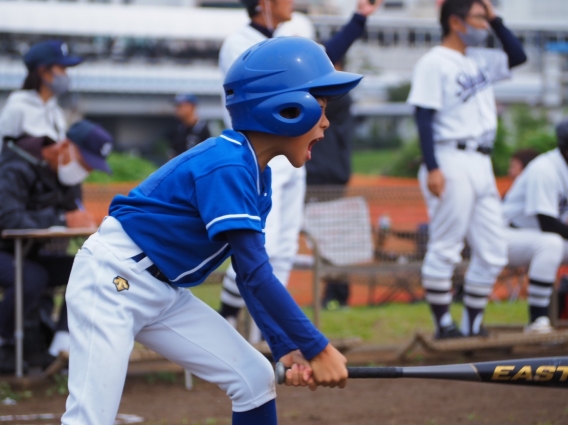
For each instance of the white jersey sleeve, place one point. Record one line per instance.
(427, 84)
(542, 195)
(494, 61)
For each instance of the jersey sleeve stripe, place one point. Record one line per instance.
(231, 140)
(227, 217)
(201, 264)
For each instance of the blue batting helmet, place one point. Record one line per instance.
(282, 74)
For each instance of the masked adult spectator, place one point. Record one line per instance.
(40, 188)
(33, 110)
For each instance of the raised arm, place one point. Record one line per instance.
(336, 47)
(511, 44)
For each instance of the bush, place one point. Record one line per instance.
(407, 162)
(501, 151)
(399, 93)
(528, 129)
(125, 168)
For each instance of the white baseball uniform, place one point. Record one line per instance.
(459, 88)
(162, 317)
(288, 183)
(542, 188)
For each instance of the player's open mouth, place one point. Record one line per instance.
(313, 142)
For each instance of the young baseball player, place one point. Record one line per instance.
(457, 120)
(180, 224)
(275, 18)
(535, 208)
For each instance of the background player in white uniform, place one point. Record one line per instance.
(180, 224)
(271, 18)
(457, 120)
(535, 208)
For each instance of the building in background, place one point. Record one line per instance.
(141, 52)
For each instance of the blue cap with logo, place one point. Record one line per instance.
(186, 98)
(94, 142)
(50, 52)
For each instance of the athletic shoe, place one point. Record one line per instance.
(540, 326)
(483, 332)
(448, 332)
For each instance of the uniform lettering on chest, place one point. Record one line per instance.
(121, 283)
(469, 85)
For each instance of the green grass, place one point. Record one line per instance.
(390, 324)
(375, 162)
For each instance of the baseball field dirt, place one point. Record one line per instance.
(363, 402)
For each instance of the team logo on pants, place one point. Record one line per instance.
(121, 283)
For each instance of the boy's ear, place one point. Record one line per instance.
(456, 24)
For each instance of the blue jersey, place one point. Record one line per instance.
(178, 215)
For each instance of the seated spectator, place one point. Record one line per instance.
(33, 110)
(40, 187)
(191, 130)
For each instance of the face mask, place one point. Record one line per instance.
(473, 37)
(72, 173)
(59, 85)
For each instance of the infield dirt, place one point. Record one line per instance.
(363, 402)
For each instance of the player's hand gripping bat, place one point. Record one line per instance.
(540, 372)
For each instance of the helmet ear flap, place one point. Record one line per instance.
(288, 114)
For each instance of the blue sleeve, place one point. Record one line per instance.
(424, 119)
(284, 326)
(511, 44)
(337, 46)
(227, 199)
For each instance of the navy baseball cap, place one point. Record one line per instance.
(94, 142)
(50, 52)
(185, 98)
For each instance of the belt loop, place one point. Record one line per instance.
(142, 262)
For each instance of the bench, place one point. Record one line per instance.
(344, 243)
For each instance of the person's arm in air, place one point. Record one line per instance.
(552, 225)
(511, 44)
(285, 327)
(336, 47)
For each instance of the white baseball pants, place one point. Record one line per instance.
(104, 323)
(542, 253)
(470, 208)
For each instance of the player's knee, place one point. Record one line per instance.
(552, 244)
(254, 385)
